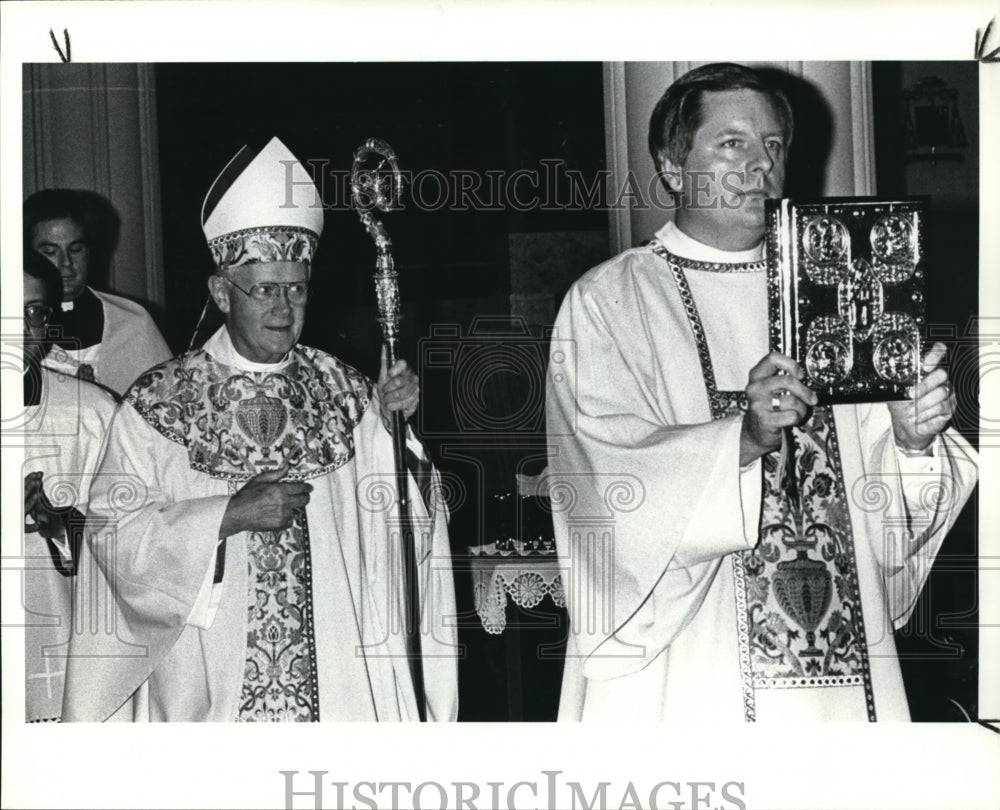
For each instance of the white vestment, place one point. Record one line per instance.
(130, 344)
(651, 505)
(180, 646)
(65, 436)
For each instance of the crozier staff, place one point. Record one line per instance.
(254, 560)
(371, 189)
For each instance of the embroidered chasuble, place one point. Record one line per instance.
(296, 625)
(715, 592)
(236, 424)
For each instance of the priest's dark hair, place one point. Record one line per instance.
(55, 203)
(37, 266)
(93, 212)
(677, 115)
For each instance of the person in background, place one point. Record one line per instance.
(66, 423)
(105, 338)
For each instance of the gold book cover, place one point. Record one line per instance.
(846, 293)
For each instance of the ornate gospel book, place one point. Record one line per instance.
(846, 293)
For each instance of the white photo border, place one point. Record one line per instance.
(178, 765)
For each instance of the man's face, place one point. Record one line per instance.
(34, 334)
(737, 160)
(263, 332)
(63, 243)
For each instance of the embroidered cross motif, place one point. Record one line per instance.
(47, 676)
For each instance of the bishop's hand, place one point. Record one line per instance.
(398, 390)
(266, 503)
(776, 399)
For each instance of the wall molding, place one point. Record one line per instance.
(93, 126)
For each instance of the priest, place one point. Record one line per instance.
(255, 569)
(65, 425)
(708, 594)
(101, 337)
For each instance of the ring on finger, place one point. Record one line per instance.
(776, 401)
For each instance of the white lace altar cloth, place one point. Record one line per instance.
(526, 576)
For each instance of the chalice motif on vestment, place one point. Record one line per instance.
(262, 419)
(803, 586)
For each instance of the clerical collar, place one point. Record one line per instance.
(220, 347)
(81, 322)
(687, 247)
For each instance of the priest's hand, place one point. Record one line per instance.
(398, 390)
(917, 421)
(266, 503)
(776, 399)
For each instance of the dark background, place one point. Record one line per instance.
(939, 646)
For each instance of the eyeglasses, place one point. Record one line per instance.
(295, 291)
(37, 314)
